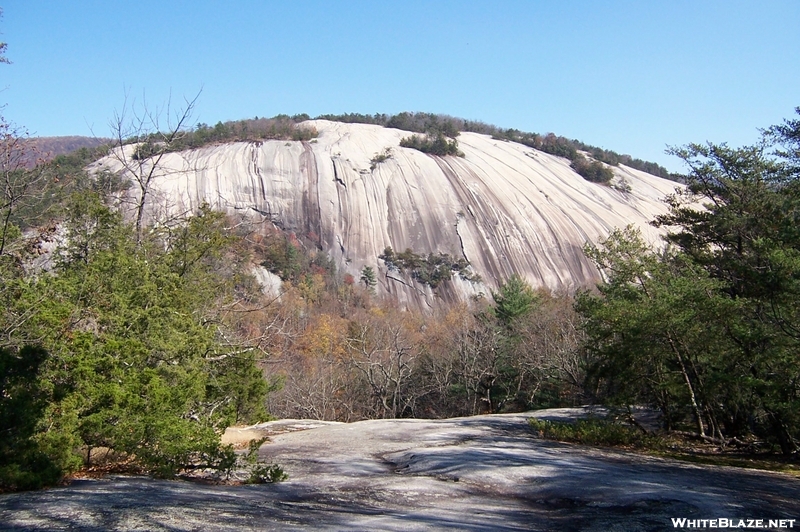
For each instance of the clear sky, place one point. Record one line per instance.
(632, 76)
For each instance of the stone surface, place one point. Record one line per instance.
(504, 207)
(480, 473)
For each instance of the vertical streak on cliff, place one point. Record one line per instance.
(470, 201)
(343, 208)
(258, 180)
(312, 219)
(519, 211)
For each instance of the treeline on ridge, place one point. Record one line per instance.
(435, 134)
(450, 127)
(280, 127)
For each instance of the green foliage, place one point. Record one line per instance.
(368, 277)
(514, 299)
(433, 124)
(356, 118)
(593, 171)
(280, 127)
(149, 148)
(37, 195)
(650, 328)
(414, 122)
(709, 327)
(437, 137)
(559, 146)
(141, 360)
(262, 474)
(23, 463)
(526, 370)
(379, 158)
(251, 456)
(293, 259)
(282, 257)
(304, 133)
(433, 144)
(431, 270)
(592, 431)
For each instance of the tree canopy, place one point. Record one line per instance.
(711, 325)
(133, 352)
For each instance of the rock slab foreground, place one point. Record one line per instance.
(479, 473)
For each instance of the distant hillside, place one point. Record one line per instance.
(43, 149)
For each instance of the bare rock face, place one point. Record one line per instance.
(504, 207)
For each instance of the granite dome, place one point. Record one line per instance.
(504, 207)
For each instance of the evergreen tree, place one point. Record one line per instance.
(368, 278)
(23, 464)
(514, 299)
(142, 361)
(711, 327)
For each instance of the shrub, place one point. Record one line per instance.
(591, 431)
(304, 133)
(431, 270)
(593, 171)
(147, 149)
(262, 474)
(379, 158)
(280, 127)
(430, 123)
(23, 463)
(436, 144)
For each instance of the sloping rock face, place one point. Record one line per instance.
(477, 473)
(504, 207)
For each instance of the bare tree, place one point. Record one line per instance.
(382, 353)
(549, 349)
(3, 47)
(19, 183)
(143, 135)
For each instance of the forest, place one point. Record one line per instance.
(141, 344)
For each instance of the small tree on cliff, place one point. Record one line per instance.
(368, 278)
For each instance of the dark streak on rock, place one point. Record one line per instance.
(312, 216)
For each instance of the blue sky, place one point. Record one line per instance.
(632, 76)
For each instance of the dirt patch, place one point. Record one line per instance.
(240, 437)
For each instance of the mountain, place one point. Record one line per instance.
(354, 191)
(39, 149)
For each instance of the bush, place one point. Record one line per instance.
(436, 144)
(592, 431)
(263, 474)
(280, 127)
(356, 118)
(379, 158)
(304, 133)
(449, 126)
(130, 354)
(431, 270)
(23, 464)
(593, 171)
